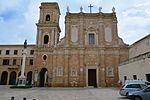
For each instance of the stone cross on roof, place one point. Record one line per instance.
(90, 8)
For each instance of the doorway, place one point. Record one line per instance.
(92, 77)
(43, 77)
(12, 79)
(29, 78)
(148, 77)
(4, 78)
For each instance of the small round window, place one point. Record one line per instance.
(44, 57)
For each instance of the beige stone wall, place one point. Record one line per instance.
(140, 47)
(91, 23)
(138, 62)
(81, 59)
(139, 68)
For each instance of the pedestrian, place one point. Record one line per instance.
(119, 83)
(32, 83)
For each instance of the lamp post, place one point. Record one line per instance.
(22, 78)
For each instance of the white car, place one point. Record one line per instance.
(125, 89)
(137, 81)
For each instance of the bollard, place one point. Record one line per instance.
(12, 98)
(24, 98)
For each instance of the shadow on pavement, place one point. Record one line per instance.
(123, 98)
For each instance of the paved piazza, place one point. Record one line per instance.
(48, 93)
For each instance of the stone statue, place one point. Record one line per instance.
(100, 9)
(81, 9)
(113, 9)
(25, 44)
(68, 9)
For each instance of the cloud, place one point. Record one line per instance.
(1, 20)
(13, 23)
(133, 17)
(5, 5)
(94, 2)
(134, 22)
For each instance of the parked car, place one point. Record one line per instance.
(140, 95)
(137, 81)
(125, 89)
(148, 83)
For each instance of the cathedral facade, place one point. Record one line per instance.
(88, 55)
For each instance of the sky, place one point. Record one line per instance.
(18, 18)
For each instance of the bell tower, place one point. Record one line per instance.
(48, 28)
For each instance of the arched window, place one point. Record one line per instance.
(47, 17)
(46, 39)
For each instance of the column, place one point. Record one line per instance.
(22, 78)
(8, 78)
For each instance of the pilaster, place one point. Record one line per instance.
(66, 69)
(102, 69)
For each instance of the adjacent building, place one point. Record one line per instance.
(137, 67)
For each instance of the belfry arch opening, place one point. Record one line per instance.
(43, 77)
(46, 39)
(47, 17)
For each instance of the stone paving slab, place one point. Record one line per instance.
(51, 93)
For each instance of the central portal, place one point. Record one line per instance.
(43, 77)
(92, 77)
